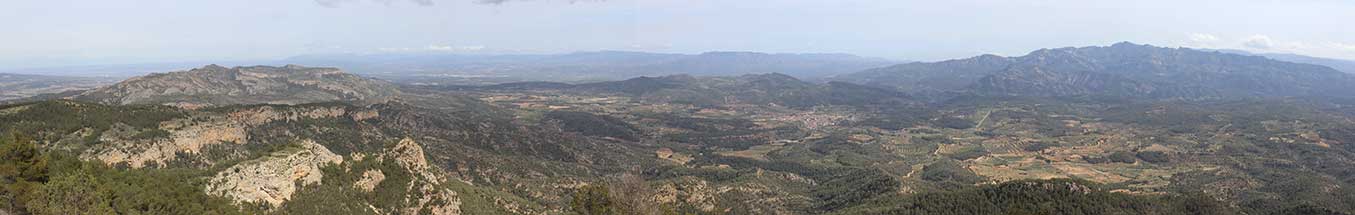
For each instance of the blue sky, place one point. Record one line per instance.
(75, 32)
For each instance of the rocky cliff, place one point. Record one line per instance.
(274, 178)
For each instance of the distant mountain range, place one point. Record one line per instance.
(216, 85)
(1121, 70)
(1124, 70)
(586, 66)
(460, 69)
(773, 89)
(122, 71)
(1347, 66)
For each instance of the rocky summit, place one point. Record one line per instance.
(214, 85)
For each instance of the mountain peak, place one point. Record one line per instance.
(717, 53)
(1128, 44)
(989, 57)
(213, 67)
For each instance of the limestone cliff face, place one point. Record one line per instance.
(215, 85)
(370, 179)
(273, 179)
(190, 136)
(410, 155)
(440, 201)
(185, 136)
(278, 176)
(266, 114)
(431, 196)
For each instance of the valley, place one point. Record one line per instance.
(18, 86)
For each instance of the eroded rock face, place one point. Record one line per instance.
(190, 136)
(185, 136)
(435, 200)
(410, 155)
(365, 115)
(273, 179)
(432, 198)
(370, 179)
(266, 114)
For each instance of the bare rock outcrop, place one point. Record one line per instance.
(370, 179)
(190, 136)
(266, 114)
(410, 156)
(185, 136)
(433, 198)
(273, 179)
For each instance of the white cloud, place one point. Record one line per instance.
(1266, 44)
(448, 48)
(1259, 42)
(1203, 38)
(1348, 47)
(439, 48)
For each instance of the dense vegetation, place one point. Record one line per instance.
(594, 125)
(1039, 197)
(38, 182)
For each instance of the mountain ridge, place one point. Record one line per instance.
(1123, 69)
(580, 67)
(1344, 65)
(214, 85)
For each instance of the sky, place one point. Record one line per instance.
(91, 32)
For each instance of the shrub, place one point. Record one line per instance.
(1154, 157)
(955, 123)
(1122, 157)
(970, 152)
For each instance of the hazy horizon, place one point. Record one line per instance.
(74, 32)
